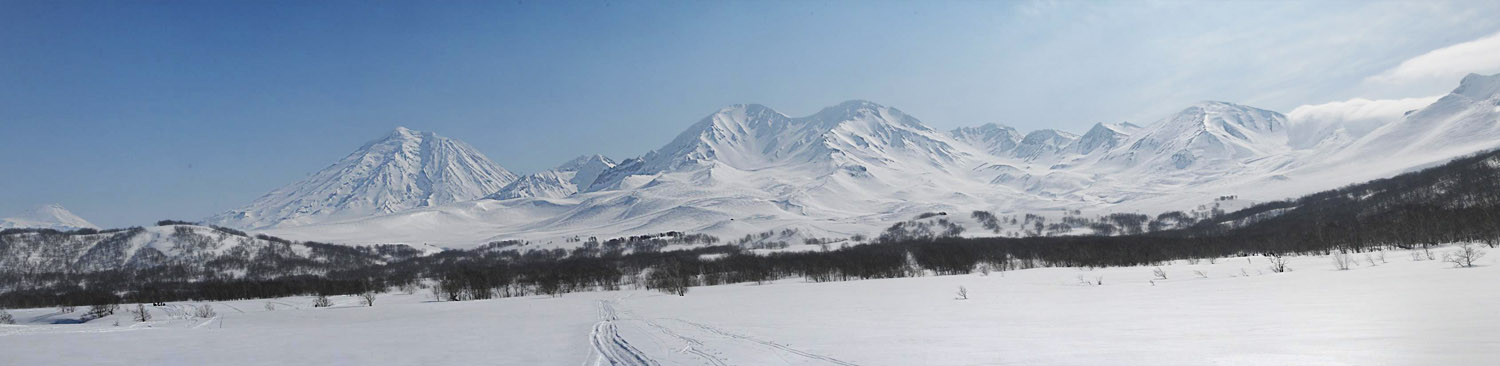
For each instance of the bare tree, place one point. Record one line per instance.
(1160, 274)
(1464, 256)
(1200, 274)
(963, 293)
(140, 313)
(322, 302)
(66, 308)
(6, 318)
(368, 297)
(270, 306)
(1278, 263)
(984, 268)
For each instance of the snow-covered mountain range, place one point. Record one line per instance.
(51, 216)
(403, 170)
(562, 181)
(855, 168)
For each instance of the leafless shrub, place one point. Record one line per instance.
(1342, 261)
(1212, 260)
(1194, 260)
(1464, 256)
(6, 318)
(1200, 274)
(1382, 256)
(1160, 274)
(322, 302)
(100, 311)
(1370, 258)
(204, 311)
(1097, 281)
(963, 293)
(1278, 263)
(1417, 256)
(270, 306)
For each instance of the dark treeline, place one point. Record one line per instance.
(1459, 201)
(1455, 202)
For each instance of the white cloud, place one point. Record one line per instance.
(1356, 117)
(1446, 64)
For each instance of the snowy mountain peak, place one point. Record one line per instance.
(402, 170)
(1211, 135)
(864, 110)
(752, 136)
(851, 137)
(993, 138)
(1040, 143)
(1231, 118)
(585, 161)
(1102, 136)
(1479, 87)
(49, 216)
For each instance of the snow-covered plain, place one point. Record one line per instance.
(1394, 312)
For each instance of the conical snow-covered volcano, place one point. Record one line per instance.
(403, 170)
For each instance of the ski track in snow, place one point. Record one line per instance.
(770, 344)
(615, 350)
(609, 346)
(232, 307)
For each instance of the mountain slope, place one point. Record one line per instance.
(52, 216)
(403, 170)
(1463, 120)
(190, 250)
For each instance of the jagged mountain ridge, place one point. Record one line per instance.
(403, 170)
(852, 168)
(562, 181)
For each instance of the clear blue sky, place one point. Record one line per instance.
(128, 112)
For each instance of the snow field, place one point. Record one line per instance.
(1395, 312)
